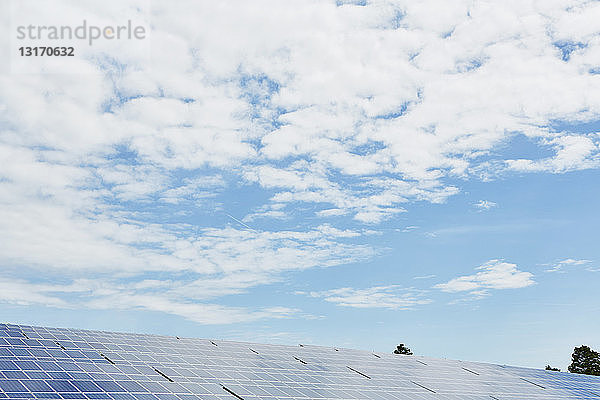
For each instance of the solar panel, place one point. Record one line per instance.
(53, 363)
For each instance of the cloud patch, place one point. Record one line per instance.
(391, 297)
(562, 265)
(324, 113)
(484, 205)
(183, 276)
(495, 274)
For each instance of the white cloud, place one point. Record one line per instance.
(572, 152)
(409, 228)
(195, 189)
(194, 311)
(68, 234)
(105, 295)
(471, 296)
(391, 297)
(384, 90)
(495, 274)
(187, 270)
(484, 205)
(273, 211)
(568, 262)
(425, 277)
(349, 112)
(331, 212)
(509, 226)
(22, 293)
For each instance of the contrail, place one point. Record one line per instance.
(239, 222)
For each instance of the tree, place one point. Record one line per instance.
(585, 361)
(402, 349)
(549, 368)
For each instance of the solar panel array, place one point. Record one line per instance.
(51, 363)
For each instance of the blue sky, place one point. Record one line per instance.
(335, 173)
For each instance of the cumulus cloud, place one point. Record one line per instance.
(392, 297)
(494, 274)
(333, 111)
(360, 109)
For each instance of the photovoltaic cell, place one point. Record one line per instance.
(62, 386)
(86, 386)
(44, 363)
(37, 385)
(10, 385)
(6, 365)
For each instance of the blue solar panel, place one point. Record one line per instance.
(62, 386)
(48, 363)
(6, 365)
(37, 386)
(10, 385)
